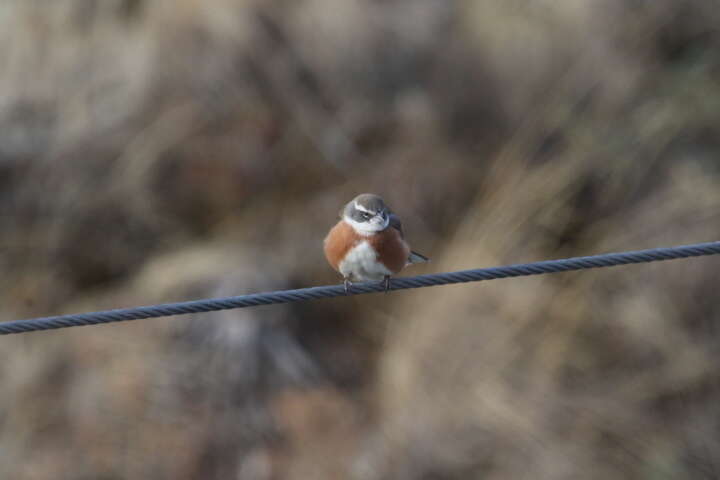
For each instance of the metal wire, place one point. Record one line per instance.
(313, 293)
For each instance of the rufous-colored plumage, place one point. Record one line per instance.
(368, 243)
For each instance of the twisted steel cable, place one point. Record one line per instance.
(312, 293)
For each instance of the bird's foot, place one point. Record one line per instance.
(386, 282)
(347, 284)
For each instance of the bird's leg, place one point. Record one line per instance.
(347, 284)
(386, 282)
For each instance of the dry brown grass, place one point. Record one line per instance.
(162, 150)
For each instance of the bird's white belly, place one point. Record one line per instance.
(361, 263)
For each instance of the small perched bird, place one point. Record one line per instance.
(367, 243)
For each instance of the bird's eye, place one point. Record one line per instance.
(366, 215)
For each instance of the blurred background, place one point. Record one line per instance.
(166, 150)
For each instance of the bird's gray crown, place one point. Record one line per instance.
(370, 201)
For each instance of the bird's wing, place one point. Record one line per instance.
(414, 257)
(396, 224)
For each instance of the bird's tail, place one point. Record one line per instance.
(417, 258)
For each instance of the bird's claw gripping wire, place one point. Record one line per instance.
(386, 283)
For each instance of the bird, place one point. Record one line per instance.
(368, 244)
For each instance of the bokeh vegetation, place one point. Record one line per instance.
(162, 150)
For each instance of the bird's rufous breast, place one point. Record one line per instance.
(392, 250)
(341, 238)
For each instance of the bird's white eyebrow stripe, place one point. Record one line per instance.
(362, 228)
(361, 208)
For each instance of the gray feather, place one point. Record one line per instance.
(417, 258)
